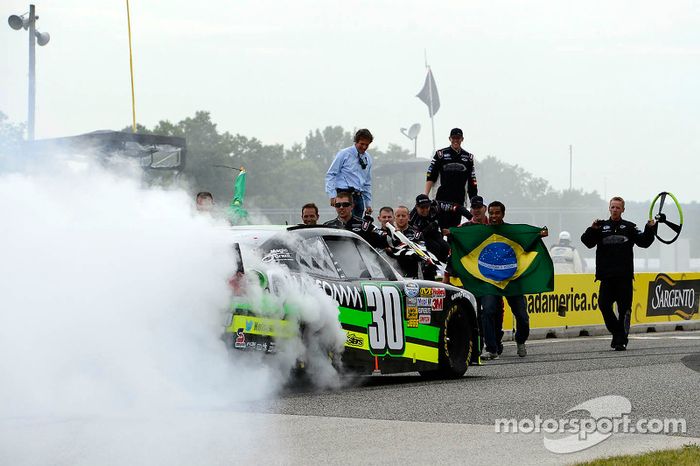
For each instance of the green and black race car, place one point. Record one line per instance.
(391, 324)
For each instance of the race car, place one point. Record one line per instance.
(391, 324)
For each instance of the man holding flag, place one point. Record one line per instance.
(499, 260)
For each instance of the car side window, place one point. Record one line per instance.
(358, 260)
(347, 257)
(378, 268)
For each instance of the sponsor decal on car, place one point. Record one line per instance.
(424, 319)
(425, 310)
(426, 292)
(411, 313)
(437, 304)
(346, 295)
(438, 292)
(412, 323)
(239, 343)
(412, 301)
(411, 289)
(354, 339)
(278, 255)
(261, 326)
(423, 301)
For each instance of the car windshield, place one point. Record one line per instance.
(308, 255)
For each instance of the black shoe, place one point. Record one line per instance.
(620, 348)
(500, 349)
(615, 341)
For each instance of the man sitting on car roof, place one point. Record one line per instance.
(363, 227)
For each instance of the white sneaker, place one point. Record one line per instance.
(490, 356)
(522, 352)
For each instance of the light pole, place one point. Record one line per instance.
(28, 22)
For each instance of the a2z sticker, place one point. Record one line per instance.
(385, 333)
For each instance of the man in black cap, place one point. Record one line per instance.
(455, 168)
(424, 219)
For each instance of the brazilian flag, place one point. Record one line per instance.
(506, 259)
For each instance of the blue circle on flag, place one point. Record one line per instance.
(498, 262)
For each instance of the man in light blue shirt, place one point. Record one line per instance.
(351, 171)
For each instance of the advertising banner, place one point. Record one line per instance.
(657, 298)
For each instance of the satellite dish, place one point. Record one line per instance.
(17, 22)
(42, 38)
(414, 130)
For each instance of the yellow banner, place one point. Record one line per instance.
(661, 297)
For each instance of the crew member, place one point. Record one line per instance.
(424, 219)
(455, 168)
(405, 257)
(386, 215)
(204, 201)
(309, 214)
(614, 240)
(362, 226)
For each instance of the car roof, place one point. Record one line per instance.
(259, 234)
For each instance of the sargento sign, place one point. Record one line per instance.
(669, 297)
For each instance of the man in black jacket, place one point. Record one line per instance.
(424, 219)
(363, 227)
(614, 266)
(454, 167)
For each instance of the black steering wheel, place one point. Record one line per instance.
(661, 219)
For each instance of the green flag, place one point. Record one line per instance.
(506, 259)
(236, 213)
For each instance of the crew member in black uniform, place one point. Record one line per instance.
(614, 266)
(424, 219)
(364, 227)
(455, 168)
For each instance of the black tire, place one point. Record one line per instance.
(455, 345)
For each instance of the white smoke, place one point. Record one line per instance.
(302, 303)
(112, 306)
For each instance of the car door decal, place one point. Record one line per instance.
(386, 331)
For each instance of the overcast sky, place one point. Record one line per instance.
(617, 80)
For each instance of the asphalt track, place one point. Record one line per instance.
(399, 419)
(392, 419)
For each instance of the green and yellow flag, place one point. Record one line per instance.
(506, 260)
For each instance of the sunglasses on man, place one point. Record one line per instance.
(343, 204)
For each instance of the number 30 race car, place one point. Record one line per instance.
(391, 324)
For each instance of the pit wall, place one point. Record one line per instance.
(661, 302)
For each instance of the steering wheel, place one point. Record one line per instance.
(661, 219)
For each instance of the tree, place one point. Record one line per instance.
(321, 146)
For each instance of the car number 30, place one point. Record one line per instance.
(386, 330)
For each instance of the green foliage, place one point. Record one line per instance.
(282, 178)
(686, 456)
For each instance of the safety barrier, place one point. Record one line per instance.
(660, 302)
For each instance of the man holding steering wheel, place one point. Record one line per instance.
(614, 260)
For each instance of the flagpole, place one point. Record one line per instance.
(430, 97)
(131, 71)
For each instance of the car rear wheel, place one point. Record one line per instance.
(455, 345)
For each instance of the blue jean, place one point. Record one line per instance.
(491, 305)
(358, 209)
